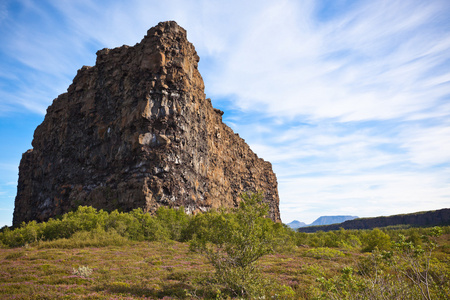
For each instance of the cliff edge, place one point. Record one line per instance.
(136, 130)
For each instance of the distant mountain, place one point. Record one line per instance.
(296, 224)
(328, 220)
(419, 219)
(323, 220)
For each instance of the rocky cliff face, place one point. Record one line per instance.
(135, 131)
(420, 219)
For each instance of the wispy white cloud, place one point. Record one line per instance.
(376, 52)
(386, 65)
(368, 66)
(365, 170)
(428, 146)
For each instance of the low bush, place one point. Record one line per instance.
(82, 239)
(234, 241)
(135, 225)
(407, 271)
(324, 253)
(174, 222)
(376, 239)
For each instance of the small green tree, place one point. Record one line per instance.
(174, 221)
(376, 239)
(407, 271)
(233, 242)
(344, 286)
(415, 263)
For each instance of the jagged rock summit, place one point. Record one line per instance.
(136, 130)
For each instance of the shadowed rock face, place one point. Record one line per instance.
(439, 217)
(136, 131)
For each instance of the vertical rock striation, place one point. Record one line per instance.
(135, 131)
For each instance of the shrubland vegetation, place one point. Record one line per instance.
(223, 254)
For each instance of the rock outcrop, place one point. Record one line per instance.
(136, 130)
(439, 217)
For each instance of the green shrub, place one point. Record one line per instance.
(344, 286)
(348, 239)
(174, 222)
(26, 233)
(135, 225)
(233, 242)
(376, 239)
(142, 226)
(407, 271)
(283, 238)
(324, 253)
(85, 218)
(317, 239)
(351, 242)
(82, 239)
(301, 238)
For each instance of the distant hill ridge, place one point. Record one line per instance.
(328, 220)
(323, 220)
(425, 218)
(296, 224)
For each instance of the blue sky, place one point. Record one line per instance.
(349, 100)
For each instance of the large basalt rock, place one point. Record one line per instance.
(136, 131)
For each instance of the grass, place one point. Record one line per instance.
(151, 270)
(136, 271)
(157, 270)
(142, 270)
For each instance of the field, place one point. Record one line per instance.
(90, 254)
(142, 270)
(155, 270)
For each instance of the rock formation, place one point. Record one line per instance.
(439, 217)
(136, 130)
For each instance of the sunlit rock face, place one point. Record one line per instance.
(136, 131)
